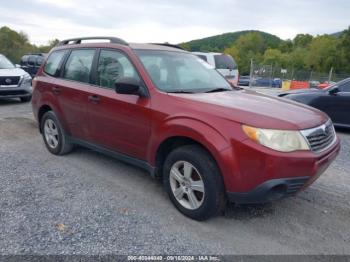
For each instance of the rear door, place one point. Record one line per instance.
(72, 90)
(118, 122)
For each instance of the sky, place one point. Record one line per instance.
(173, 21)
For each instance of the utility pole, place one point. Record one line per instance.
(251, 73)
(330, 74)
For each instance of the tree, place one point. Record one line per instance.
(14, 45)
(344, 48)
(275, 57)
(302, 40)
(323, 54)
(247, 47)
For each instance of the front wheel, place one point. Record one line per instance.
(193, 182)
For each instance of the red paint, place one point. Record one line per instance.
(138, 126)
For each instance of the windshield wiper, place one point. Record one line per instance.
(180, 92)
(220, 89)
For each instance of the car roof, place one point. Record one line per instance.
(114, 42)
(160, 47)
(207, 53)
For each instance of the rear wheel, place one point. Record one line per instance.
(55, 139)
(194, 182)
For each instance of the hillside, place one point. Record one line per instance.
(220, 42)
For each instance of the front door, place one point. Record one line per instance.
(118, 122)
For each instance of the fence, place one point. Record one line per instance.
(273, 76)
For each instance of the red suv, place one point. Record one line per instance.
(165, 110)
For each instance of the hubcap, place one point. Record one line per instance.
(187, 185)
(51, 133)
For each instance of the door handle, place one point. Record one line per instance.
(56, 90)
(94, 98)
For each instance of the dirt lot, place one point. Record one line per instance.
(87, 203)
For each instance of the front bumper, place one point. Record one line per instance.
(15, 92)
(269, 191)
(262, 175)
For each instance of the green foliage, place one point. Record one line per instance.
(304, 52)
(221, 42)
(302, 40)
(14, 45)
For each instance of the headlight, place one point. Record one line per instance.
(27, 80)
(279, 140)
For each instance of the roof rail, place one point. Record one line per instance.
(114, 40)
(169, 45)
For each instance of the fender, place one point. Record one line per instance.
(50, 100)
(190, 127)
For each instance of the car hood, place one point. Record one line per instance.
(255, 109)
(12, 72)
(300, 91)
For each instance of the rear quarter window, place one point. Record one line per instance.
(53, 62)
(203, 57)
(224, 62)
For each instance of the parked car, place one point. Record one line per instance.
(267, 82)
(244, 81)
(225, 64)
(32, 62)
(14, 81)
(333, 100)
(164, 110)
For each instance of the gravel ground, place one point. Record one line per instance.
(88, 203)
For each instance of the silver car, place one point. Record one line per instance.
(14, 81)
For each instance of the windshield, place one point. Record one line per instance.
(181, 72)
(5, 63)
(337, 84)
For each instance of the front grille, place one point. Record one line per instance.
(9, 80)
(320, 138)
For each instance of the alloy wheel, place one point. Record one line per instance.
(187, 185)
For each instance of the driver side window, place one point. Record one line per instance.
(112, 66)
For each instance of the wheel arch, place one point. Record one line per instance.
(42, 110)
(173, 142)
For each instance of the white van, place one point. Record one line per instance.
(225, 64)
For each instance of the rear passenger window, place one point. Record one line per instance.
(113, 65)
(78, 65)
(53, 62)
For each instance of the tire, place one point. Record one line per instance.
(26, 99)
(55, 139)
(204, 175)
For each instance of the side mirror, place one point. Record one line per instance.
(17, 66)
(334, 91)
(129, 86)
